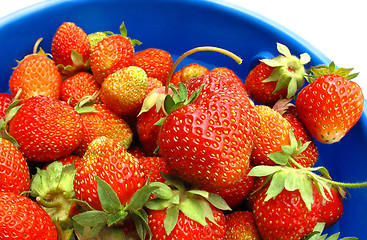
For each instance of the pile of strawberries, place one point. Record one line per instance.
(102, 142)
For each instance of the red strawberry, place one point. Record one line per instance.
(152, 168)
(124, 91)
(241, 225)
(111, 54)
(208, 142)
(225, 72)
(189, 71)
(5, 100)
(74, 88)
(153, 83)
(102, 122)
(273, 133)
(14, 171)
(157, 63)
(277, 78)
(107, 159)
(46, 129)
(21, 218)
(331, 104)
(36, 75)
(70, 48)
(332, 208)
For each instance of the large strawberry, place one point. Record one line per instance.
(107, 159)
(21, 219)
(46, 129)
(331, 104)
(14, 171)
(156, 62)
(111, 54)
(276, 78)
(209, 141)
(36, 74)
(70, 48)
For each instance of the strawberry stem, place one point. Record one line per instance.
(200, 49)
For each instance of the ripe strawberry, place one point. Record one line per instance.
(333, 207)
(21, 218)
(225, 72)
(152, 168)
(208, 142)
(309, 156)
(14, 171)
(331, 104)
(189, 71)
(157, 63)
(107, 159)
(46, 129)
(277, 78)
(102, 122)
(124, 91)
(70, 48)
(153, 83)
(111, 54)
(273, 133)
(286, 215)
(241, 225)
(5, 100)
(74, 88)
(36, 75)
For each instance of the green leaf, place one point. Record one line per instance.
(218, 202)
(193, 210)
(280, 158)
(305, 58)
(168, 103)
(140, 197)
(182, 91)
(158, 204)
(140, 219)
(195, 95)
(171, 219)
(107, 196)
(162, 191)
(91, 218)
(201, 193)
(306, 192)
(119, 216)
(263, 170)
(276, 185)
(283, 49)
(208, 212)
(293, 181)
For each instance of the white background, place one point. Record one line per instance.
(335, 27)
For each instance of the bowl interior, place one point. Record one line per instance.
(178, 26)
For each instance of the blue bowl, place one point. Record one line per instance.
(178, 26)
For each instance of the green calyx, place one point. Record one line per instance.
(320, 70)
(317, 231)
(85, 104)
(289, 70)
(53, 189)
(283, 176)
(123, 32)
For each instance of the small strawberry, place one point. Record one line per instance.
(46, 129)
(102, 122)
(107, 159)
(241, 226)
(111, 54)
(21, 218)
(189, 71)
(70, 48)
(81, 84)
(5, 100)
(36, 75)
(14, 173)
(124, 91)
(157, 63)
(273, 133)
(331, 104)
(277, 78)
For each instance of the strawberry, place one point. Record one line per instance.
(95, 37)
(153, 83)
(46, 129)
(111, 54)
(5, 100)
(21, 218)
(332, 208)
(107, 159)
(209, 140)
(277, 78)
(124, 91)
(273, 133)
(241, 225)
(331, 104)
(14, 171)
(36, 75)
(189, 71)
(70, 48)
(74, 88)
(157, 63)
(102, 122)
(152, 168)
(225, 72)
